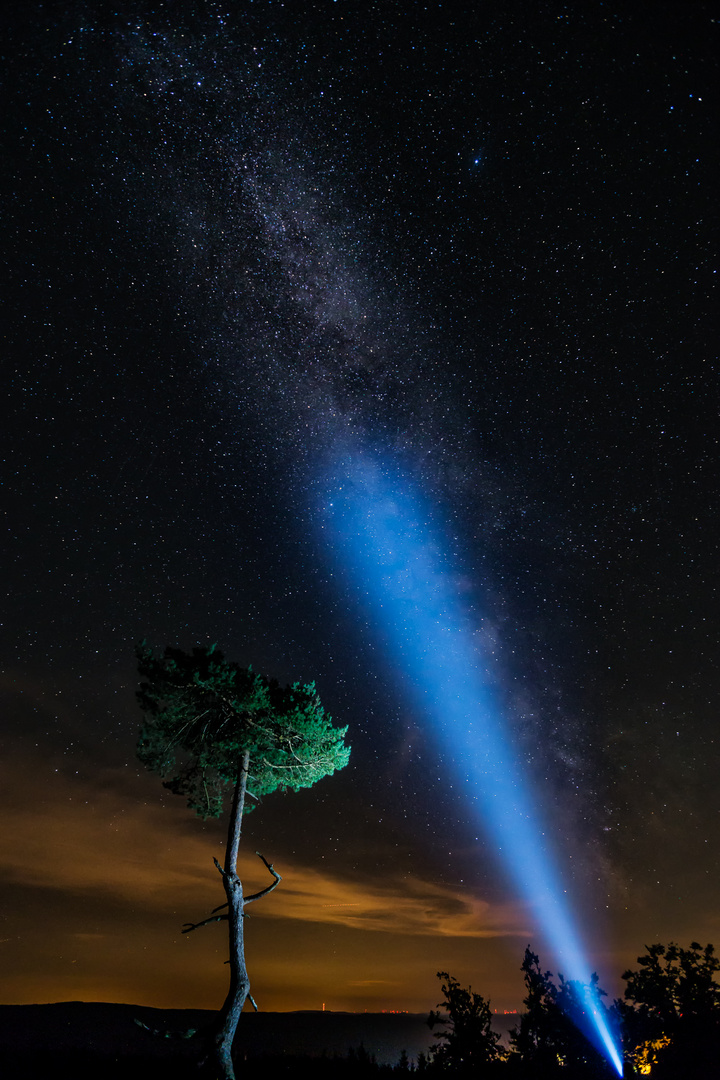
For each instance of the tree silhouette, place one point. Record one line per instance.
(539, 1038)
(469, 1045)
(551, 1039)
(215, 729)
(671, 1011)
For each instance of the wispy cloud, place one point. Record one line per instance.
(146, 856)
(407, 905)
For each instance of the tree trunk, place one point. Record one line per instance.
(227, 1021)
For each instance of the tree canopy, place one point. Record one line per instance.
(204, 712)
(671, 1011)
(468, 1045)
(553, 1036)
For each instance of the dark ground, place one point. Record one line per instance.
(79, 1038)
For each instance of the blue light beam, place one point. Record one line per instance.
(381, 529)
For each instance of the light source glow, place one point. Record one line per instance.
(380, 528)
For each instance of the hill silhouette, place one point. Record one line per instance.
(37, 1040)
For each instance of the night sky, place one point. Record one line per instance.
(247, 246)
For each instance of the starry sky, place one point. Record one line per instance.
(246, 244)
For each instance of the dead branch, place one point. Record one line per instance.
(196, 926)
(269, 889)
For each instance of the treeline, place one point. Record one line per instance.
(666, 1026)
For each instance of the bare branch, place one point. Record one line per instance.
(268, 865)
(252, 1001)
(196, 926)
(176, 735)
(271, 765)
(269, 889)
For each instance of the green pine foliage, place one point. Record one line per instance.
(202, 712)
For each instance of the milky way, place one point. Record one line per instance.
(302, 305)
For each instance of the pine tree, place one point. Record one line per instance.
(213, 731)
